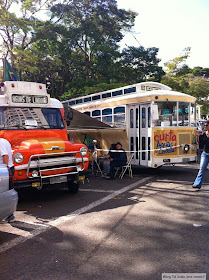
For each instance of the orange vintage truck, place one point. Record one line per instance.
(35, 126)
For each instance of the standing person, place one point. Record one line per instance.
(120, 159)
(6, 158)
(204, 157)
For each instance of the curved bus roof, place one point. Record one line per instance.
(142, 92)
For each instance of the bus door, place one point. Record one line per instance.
(139, 128)
(145, 133)
(133, 131)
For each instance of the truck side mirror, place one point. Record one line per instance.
(68, 114)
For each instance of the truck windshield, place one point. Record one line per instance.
(30, 118)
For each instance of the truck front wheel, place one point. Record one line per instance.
(73, 187)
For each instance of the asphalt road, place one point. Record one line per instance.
(123, 229)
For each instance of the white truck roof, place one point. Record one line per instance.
(25, 94)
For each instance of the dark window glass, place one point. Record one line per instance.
(87, 113)
(96, 113)
(87, 99)
(149, 117)
(78, 101)
(131, 118)
(96, 97)
(119, 110)
(137, 117)
(183, 113)
(129, 90)
(107, 111)
(107, 119)
(53, 117)
(132, 144)
(118, 92)
(143, 117)
(137, 147)
(149, 148)
(72, 102)
(106, 95)
(143, 147)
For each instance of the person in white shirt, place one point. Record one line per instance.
(7, 158)
(6, 154)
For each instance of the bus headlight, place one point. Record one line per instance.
(186, 148)
(18, 158)
(83, 151)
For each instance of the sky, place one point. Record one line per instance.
(171, 26)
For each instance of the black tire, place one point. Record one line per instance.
(73, 187)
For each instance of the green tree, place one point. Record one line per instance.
(139, 64)
(94, 27)
(17, 32)
(174, 66)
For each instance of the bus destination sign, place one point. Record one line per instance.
(30, 99)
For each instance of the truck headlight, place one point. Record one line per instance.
(18, 158)
(83, 151)
(34, 173)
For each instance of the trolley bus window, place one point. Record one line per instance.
(132, 144)
(96, 113)
(106, 95)
(96, 97)
(129, 90)
(119, 110)
(87, 99)
(119, 120)
(105, 116)
(149, 148)
(137, 117)
(149, 117)
(118, 92)
(143, 148)
(78, 101)
(167, 114)
(137, 147)
(107, 111)
(87, 113)
(192, 114)
(131, 118)
(107, 119)
(183, 113)
(143, 117)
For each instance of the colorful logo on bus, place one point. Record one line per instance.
(165, 142)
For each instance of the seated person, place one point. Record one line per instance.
(119, 159)
(106, 163)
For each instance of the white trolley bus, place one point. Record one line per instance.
(159, 122)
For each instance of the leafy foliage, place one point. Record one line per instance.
(76, 48)
(194, 81)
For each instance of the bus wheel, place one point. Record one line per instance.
(73, 187)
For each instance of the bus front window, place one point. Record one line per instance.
(167, 114)
(183, 114)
